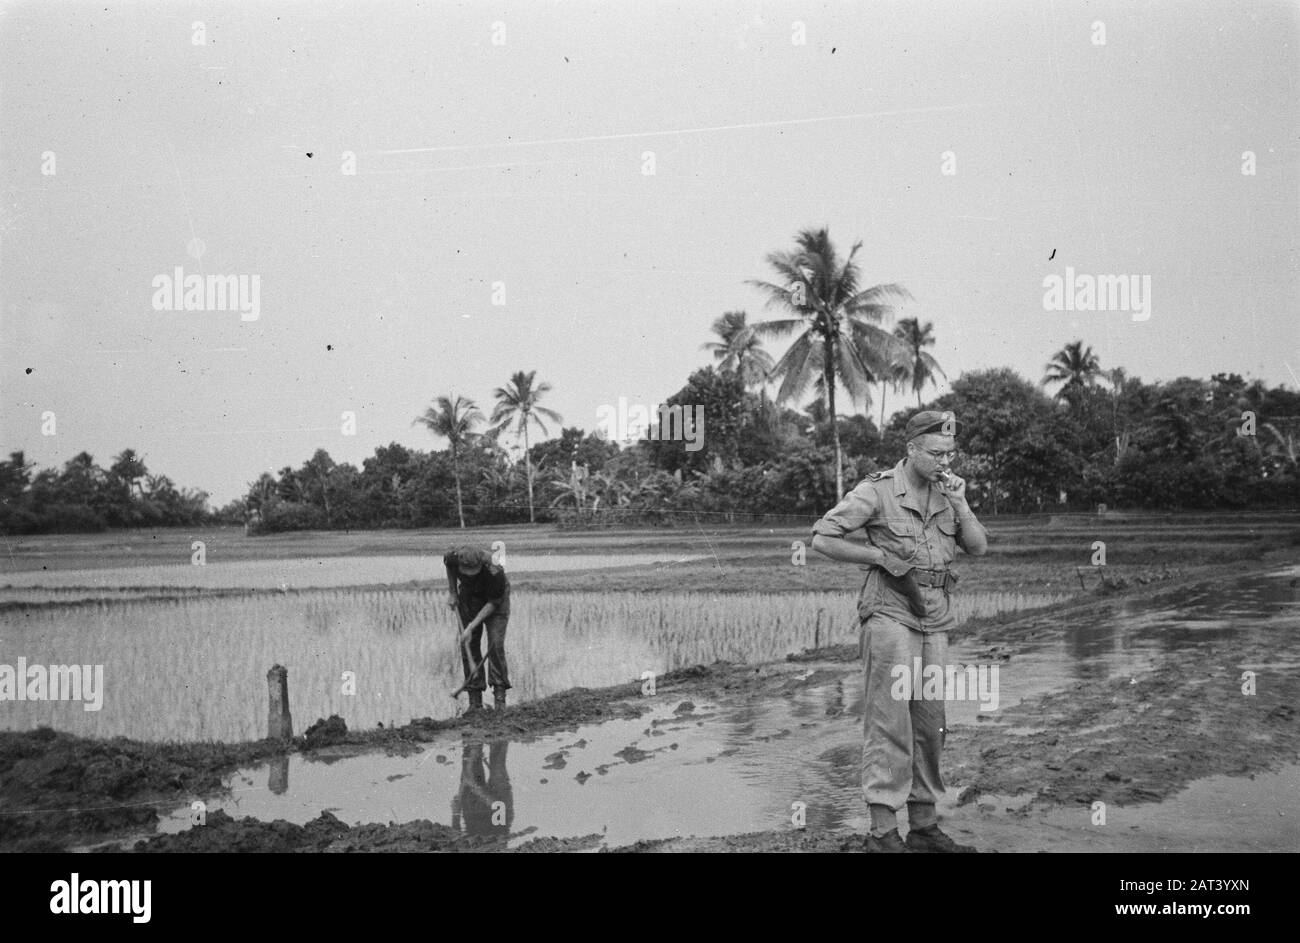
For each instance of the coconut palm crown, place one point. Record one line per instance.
(840, 339)
(517, 402)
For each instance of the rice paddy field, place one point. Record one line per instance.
(194, 668)
(361, 624)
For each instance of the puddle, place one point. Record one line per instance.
(1254, 605)
(1259, 813)
(709, 771)
(722, 770)
(1131, 641)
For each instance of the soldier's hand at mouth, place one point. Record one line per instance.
(954, 486)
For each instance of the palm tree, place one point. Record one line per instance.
(1285, 445)
(1073, 367)
(130, 469)
(289, 486)
(454, 420)
(260, 494)
(893, 377)
(740, 348)
(921, 366)
(839, 342)
(1119, 381)
(160, 486)
(489, 443)
(517, 402)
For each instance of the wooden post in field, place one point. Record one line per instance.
(279, 725)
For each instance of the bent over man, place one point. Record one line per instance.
(914, 517)
(479, 591)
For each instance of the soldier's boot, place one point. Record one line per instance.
(475, 701)
(932, 839)
(888, 843)
(499, 698)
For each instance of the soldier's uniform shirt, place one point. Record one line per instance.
(892, 516)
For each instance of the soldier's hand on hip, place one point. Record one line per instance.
(907, 587)
(898, 574)
(893, 565)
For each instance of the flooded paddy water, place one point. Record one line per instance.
(293, 573)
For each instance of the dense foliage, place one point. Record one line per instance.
(1124, 443)
(85, 497)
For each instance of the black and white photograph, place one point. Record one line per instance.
(753, 426)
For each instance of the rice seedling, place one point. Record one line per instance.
(194, 667)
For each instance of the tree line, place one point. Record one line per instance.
(1098, 437)
(82, 496)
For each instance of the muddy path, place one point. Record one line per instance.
(1026, 779)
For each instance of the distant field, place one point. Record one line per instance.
(311, 572)
(1026, 554)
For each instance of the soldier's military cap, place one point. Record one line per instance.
(931, 420)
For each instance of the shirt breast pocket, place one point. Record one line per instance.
(898, 536)
(947, 527)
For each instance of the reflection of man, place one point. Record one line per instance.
(480, 593)
(915, 516)
(278, 780)
(486, 806)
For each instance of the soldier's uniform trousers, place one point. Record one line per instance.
(902, 736)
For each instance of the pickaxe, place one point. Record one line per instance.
(463, 640)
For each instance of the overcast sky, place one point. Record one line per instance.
(506, 143)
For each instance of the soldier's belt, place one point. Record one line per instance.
(943, 578)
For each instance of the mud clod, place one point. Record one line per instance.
(326, 733)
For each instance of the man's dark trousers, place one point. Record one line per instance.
(496, 672)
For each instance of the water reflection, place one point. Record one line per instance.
(1252, 607)
(278, 778)
(484, 805)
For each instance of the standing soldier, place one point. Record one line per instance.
(479, 591)
(914, 517)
